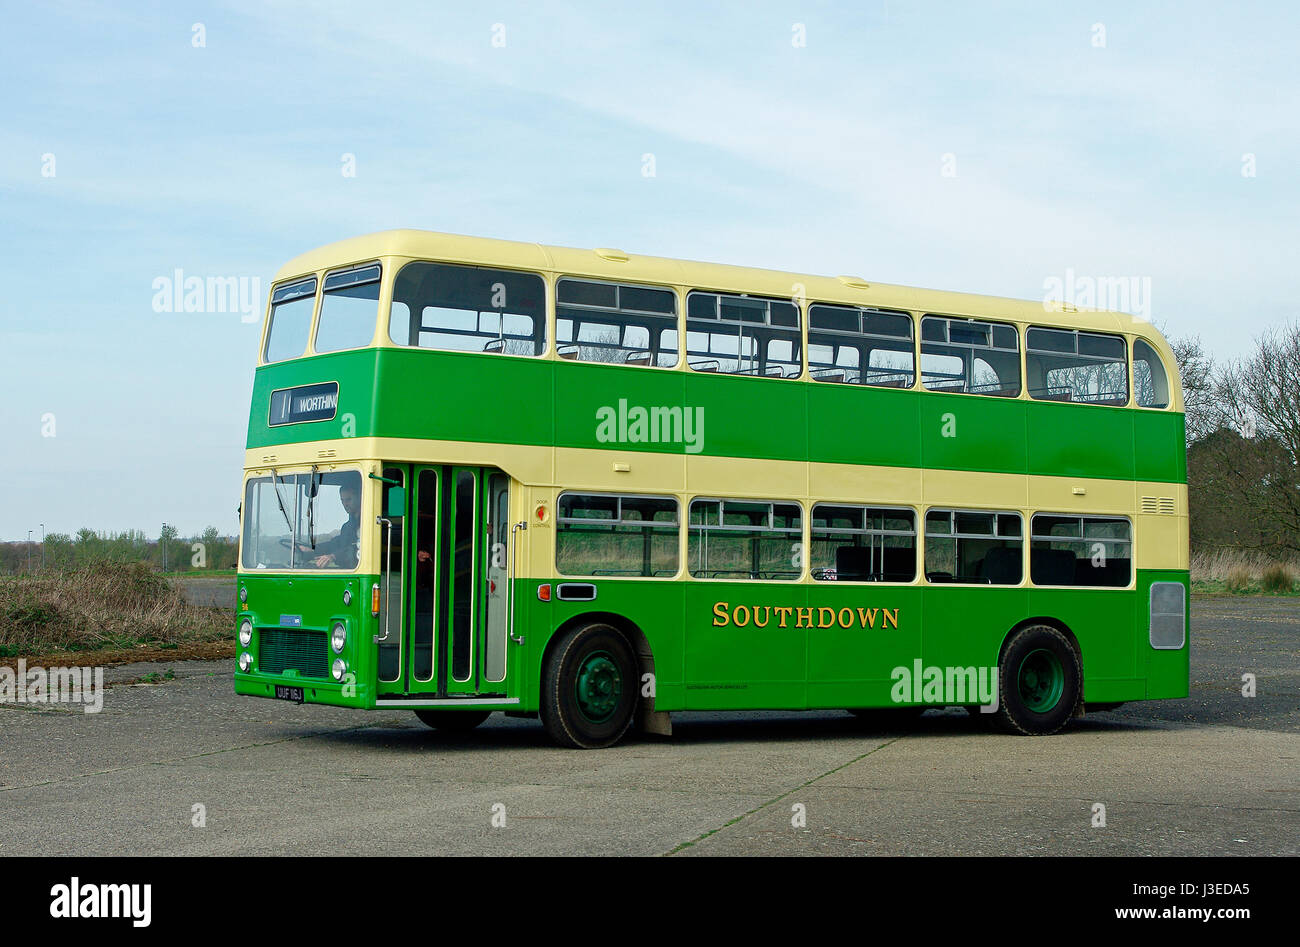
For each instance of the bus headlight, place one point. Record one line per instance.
(245, 662)
(245, 632)
(339, 669)
(338, 637)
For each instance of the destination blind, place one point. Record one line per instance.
(307, 403)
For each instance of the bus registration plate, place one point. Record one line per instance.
(289, 693)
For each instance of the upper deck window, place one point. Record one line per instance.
(743, 335)
(860, 346)
(349, 308)
(616, 324)
(1150, 383)
(290, 322)
(468, 309)
(1068, 365)
(978, 358)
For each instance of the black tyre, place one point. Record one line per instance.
(1039, 678)
(589, 687)
(453, 721)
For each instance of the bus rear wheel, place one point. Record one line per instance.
(589, 687)
(1038, 681)
(453, 721)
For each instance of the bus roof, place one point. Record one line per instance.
(610, 264)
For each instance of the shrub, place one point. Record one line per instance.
(1277, 579)
(1238, 579)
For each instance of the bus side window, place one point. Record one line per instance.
(1150, 383)
(615, 324)
(966, 355)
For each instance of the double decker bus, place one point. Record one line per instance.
(597, 488)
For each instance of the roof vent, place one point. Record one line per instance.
(857, 282)
(609, 253)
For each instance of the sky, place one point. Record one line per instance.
(977, 147)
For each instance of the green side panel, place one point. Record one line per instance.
(1159, 442)
(853, 666)
(1168, 673)
(737, 665)
(594, 401)
(969, 432)
(852, 424)
(464, 397)
(498, 399)
(1103, 622)
(1080, 441)
(751, 417)
(965, 627)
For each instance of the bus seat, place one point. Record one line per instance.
(1001, 566)
(1115, 572)
(1051, 566)
(898, 563)
(495, 345)
(568, 352)
(852, 563)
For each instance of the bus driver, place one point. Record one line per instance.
(341, 551)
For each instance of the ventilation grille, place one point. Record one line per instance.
(304, 651)
(1158, 505)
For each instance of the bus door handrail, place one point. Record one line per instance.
(387, 572)
(510, 582)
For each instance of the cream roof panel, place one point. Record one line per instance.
(423, 244)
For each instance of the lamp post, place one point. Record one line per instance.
(163, 537)
(42, 547)
(29, 552)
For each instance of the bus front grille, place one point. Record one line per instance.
(284, 649)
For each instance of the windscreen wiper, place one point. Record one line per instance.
(293, 533)
(313, 487)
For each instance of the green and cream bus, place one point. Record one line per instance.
(598, 487)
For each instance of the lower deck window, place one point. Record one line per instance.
(745, 539)
(975, 547)
(603, 534)
(863, 544)
(1080, 550)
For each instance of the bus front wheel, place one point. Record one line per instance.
(453, 721)
(589, 687)
(1038, 681)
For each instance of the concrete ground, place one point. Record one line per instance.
(1217, 773)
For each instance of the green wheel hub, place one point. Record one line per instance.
(1040, 680)
(598, 686)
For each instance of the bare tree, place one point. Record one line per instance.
(1258, 398)
(1199, 378)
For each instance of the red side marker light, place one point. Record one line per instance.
(544, 592)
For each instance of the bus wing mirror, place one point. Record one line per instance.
(396, 503)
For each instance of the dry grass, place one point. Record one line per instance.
(103, 606)
(1278, 579)
(1243, 570)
